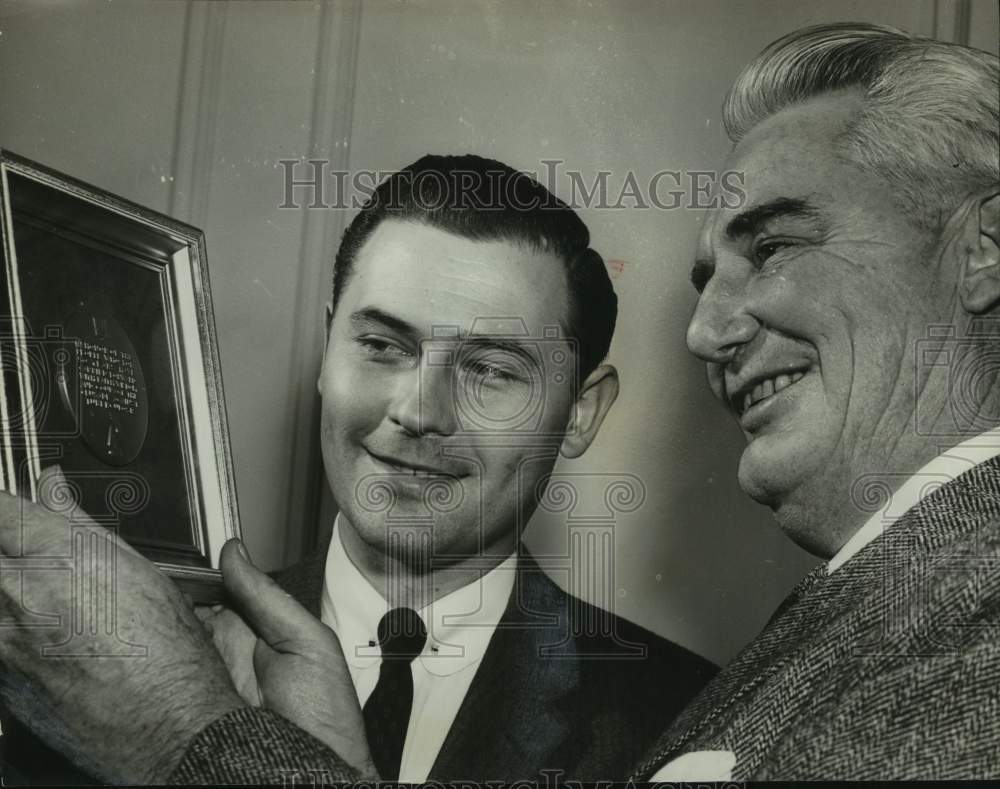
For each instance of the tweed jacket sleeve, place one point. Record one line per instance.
(256, 746)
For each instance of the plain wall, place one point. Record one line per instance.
(187, 108)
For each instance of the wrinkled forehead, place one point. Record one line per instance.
(791, 155)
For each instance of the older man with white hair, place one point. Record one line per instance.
(849, 316)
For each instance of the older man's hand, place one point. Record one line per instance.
(101, 655)
(283, 658)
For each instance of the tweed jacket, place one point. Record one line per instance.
(887, 669)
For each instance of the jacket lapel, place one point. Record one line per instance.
(512, 724)
(791, 622)
(304, 581)
(844, 610)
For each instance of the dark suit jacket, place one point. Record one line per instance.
(887, 669)
(563, 686)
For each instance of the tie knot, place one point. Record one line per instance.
(401, 634)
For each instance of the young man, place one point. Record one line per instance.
(467, 333)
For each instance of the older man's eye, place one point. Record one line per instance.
(766, 249)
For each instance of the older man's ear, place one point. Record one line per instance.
(979, 247)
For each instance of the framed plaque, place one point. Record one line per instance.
(111, 369)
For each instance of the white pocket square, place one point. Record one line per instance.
(698, 766)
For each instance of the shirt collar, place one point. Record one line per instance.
(459, 625)
(943, 469)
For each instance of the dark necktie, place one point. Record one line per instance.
(401, 635)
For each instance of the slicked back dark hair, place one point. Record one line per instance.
(486, 200)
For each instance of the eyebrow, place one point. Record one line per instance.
(370, 315)
(375, 315)
(749, 222)
(516, 347)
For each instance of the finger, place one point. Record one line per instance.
(273, 613)
(207, 612)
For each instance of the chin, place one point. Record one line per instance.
(800, 510)
(798, 522)
(783, 487)
(764, 480)
(411, 545)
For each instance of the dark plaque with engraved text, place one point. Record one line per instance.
(110, 369)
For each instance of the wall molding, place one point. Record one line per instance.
(952, 21)
(310, 506)
(197, 111)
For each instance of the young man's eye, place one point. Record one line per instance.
(498, 368)
(376, 346)
(493, 372)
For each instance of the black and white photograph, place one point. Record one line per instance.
(492, 392)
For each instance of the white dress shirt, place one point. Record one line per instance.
(718, 765)
(459, 628)
(939, 471)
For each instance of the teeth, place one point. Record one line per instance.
(770, 387)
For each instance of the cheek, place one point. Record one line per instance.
(821, 307)
(792, 298)
(350, 404)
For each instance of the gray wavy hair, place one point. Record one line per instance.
(930, 124)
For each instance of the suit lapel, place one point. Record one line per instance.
(848, 605)
(304, 581)
(511, 724)
(747, 670)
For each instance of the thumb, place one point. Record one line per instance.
(268, 609)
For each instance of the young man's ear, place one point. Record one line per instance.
(327, 321)
(978, 245)
(597, 394)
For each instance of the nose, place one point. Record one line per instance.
(722, 322)
(422, 401)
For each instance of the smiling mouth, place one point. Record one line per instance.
(412, 469)
(749, 396)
